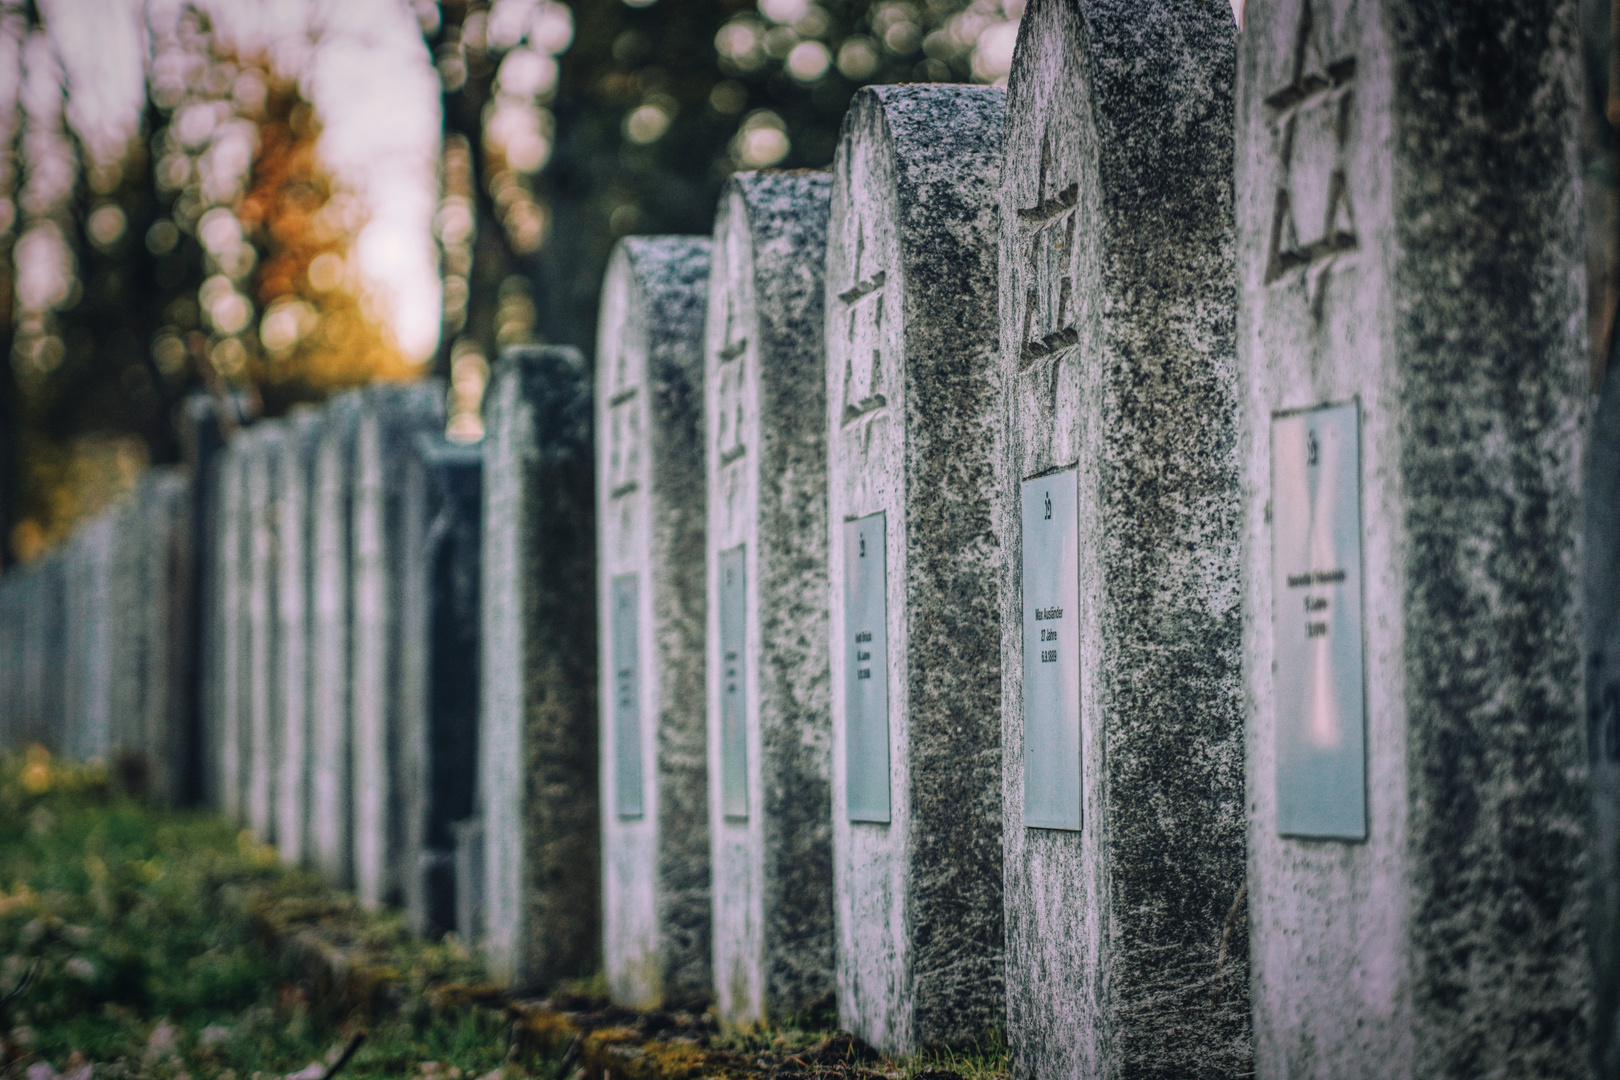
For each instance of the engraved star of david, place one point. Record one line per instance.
(1313, 221)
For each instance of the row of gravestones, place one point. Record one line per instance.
(1084, 567)
(95, 657)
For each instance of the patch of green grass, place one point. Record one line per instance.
(148, 937)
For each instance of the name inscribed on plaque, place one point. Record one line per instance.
(625, 612)
(866, 665)
(1052, 652)
(733, 729)
(1321, 739)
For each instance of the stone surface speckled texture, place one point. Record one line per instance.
(765, 414)
(914, 414)
(391, 415)
(1116, 226)
(331, 799)
(163, 504)
(1443, 290)
(295, 568)
(537, 752)
(438, 670)
(1601, 559)
(650, 507)
(262, 445)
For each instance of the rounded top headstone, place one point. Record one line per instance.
(652, 281)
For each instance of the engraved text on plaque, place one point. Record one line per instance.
(1051, 652)
(866, 684)
(626, 699)
(1316, 622)
(733, 730)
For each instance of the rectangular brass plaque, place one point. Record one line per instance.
(1052, 652)
(1316, 623)
(733, 725)
(626, 698)
(866, 666)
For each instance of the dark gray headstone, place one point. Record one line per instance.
(438, 718)
(914, 411)
(769, 730)
(538, 841)
(1602, 643)
(46, 667)
(470, 878)
(163, 507)
(390, 416)
(331, 800)
(1414, 376)
(1120, 512)
(650, 503)
(126, 662)
(89, 643)
(294, 623)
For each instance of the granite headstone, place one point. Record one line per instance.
(914, 417)
(650, 504)
(769, 730)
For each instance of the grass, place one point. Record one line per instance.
(148, 937)
(166, 944)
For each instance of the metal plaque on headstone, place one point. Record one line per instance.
(1316, 622)
(866, 681)
(1051, 652)
(626, 700)
(733, 732)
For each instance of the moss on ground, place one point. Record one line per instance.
(140, 942)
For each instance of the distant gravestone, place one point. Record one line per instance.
(89, 642)
(164, 503)
(390, 416)
(126, 662)
(203, 425)
(47, 614)
(294, 623)
(438, 719)
(1414, 377)
(769, 729)
(262, 448)
(331, 804)
(227, 726)
(529, 863)
(914, 414)
(1123, 723)
(650, 505)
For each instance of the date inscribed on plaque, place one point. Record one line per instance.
(626, 698)
(1316, 623)
(733, 730)
(1052, 652)
(866, 665)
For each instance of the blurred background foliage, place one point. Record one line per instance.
(256, 197)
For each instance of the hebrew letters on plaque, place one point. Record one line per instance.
(626, 698)
(866, 683)
(1051, 652)
(1316, 623)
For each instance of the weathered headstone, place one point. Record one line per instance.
(650, 505)
(226, 725)
(769, 728)
(1122, 713)
(203, 425)
(390, 416)
(1414, 386)
(262, 446)
(46, 614)
(914, 414)
(89, 644)
(536, 842)
(331, 812)
(163, 503)
(438, 718)
(291, 769)
(1601, 625)
(126, 661)
(294, 582)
